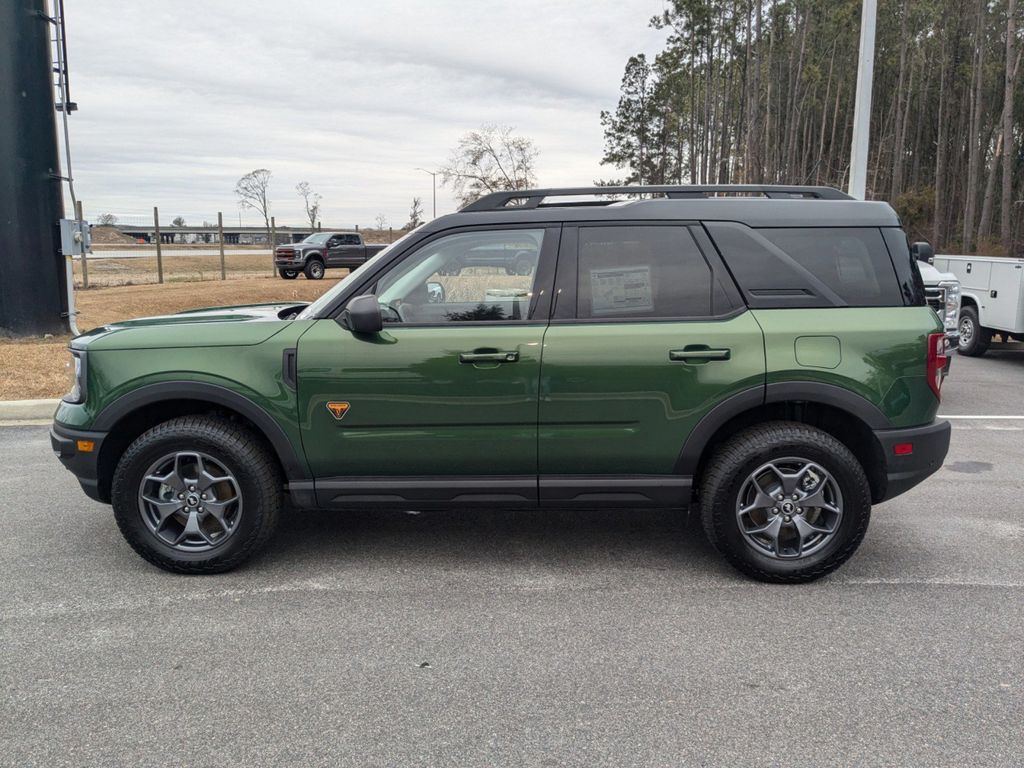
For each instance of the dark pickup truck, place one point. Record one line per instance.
(321, 250)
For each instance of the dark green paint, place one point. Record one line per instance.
(606, 400)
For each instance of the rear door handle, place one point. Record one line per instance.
(698, 353)
(510, 356)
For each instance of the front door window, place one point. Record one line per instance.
(468, 277)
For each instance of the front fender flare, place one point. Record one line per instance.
(294, 465)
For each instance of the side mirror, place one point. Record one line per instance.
(435, 293)
(923, 252)
(363, 315)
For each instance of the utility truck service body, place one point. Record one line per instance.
(992, 299)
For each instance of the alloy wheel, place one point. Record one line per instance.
(966, 332)
(190, 501)
(789, 508)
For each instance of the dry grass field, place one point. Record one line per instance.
(178, 268)
(36, 368)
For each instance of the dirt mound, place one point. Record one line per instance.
(110, 236)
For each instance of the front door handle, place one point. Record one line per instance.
(698, 353)
(496, 356)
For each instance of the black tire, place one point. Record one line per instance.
(974, 340)
(727, 474)
(314, 269)
(523, 266)
(259, 483)
(288, 274)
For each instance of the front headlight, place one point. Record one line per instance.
(952, 308)
(76, 372)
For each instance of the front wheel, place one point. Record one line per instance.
(785, 502)
(288, 274)
(314, 269)
(974, 339)
(197, 494)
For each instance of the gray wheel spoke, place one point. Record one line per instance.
(807, 529)
(164, 509)
(788, 480)
(216, 510)
(192, 528)
(761, 501)
(817, 499)
(172, 480)
(770, 529)
(206, 480)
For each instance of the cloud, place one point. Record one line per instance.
(179, 100)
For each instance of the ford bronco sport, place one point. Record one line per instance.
(762, 354)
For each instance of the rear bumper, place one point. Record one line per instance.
(83, 464)
(930, 445)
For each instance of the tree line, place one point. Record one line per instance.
(762, 91)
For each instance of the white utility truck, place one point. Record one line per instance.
(991, 296)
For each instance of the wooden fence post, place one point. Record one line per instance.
(159, 252)
(220, 240)
(85, 261)
(273, 244)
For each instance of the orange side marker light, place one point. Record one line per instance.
(86, 446)
(338, 409)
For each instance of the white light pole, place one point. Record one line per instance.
(862, 107)
(433, 175)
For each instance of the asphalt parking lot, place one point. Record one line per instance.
(525, 638)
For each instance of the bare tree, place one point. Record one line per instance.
(415, 214)
(490, 160)
(381, 221)
(178, 221)
(311, 200)
(252, 193)
(106, 220)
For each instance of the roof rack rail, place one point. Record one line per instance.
(532, 198)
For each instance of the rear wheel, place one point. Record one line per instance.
(314, 269)
(785, 502)
(197, 494)
(974, 339)
(288, 274)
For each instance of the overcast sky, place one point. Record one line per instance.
(177, 100)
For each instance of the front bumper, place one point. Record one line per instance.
(69, 446)
(929, 443)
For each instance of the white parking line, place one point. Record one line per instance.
(984, 418)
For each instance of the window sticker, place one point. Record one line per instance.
(620, 289)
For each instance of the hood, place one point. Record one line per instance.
(240, 325)
(931, 275)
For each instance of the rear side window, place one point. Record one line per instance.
(641, 272)
(809, 266)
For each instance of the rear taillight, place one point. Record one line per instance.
(936, 361)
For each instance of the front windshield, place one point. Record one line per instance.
(317, 238)
(325, 300)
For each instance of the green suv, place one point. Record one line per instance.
(763, 355)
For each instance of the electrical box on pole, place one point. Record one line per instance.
(33, 274)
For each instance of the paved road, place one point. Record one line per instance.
(524, 639)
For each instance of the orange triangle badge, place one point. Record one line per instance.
(338, 409)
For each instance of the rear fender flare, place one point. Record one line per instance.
(810, 392)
